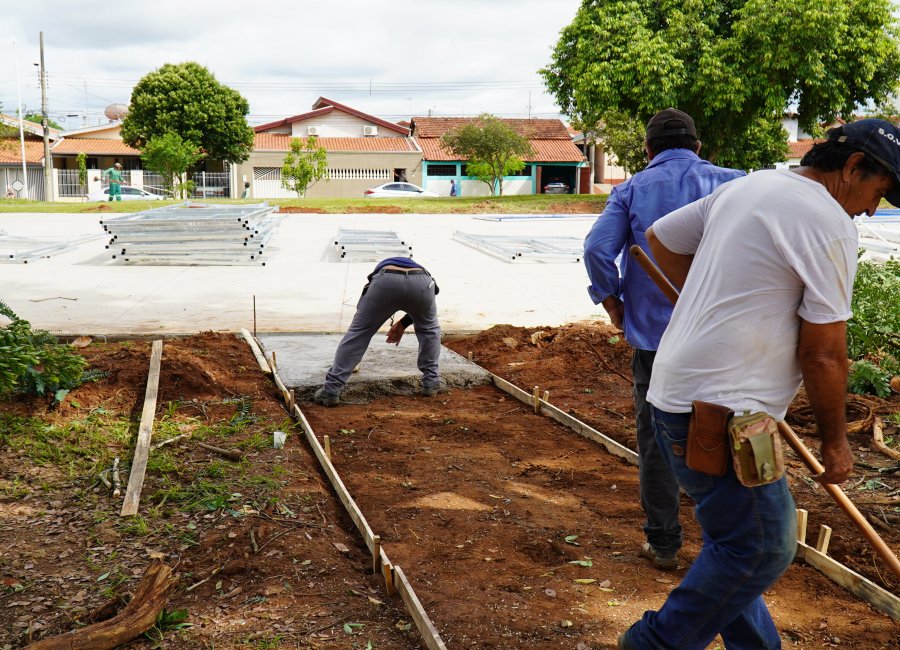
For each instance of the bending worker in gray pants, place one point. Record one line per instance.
(397, 283)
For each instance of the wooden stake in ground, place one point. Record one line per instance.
(142, 446)
(137, 617)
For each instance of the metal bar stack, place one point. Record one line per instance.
(369, 245)
(15, 250)
(525, 248)
(193, 234)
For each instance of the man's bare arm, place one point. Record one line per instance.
(674, 265)
(822, 353)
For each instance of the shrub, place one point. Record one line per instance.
(873, 334)
(35, 362)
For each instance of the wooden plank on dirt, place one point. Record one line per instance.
(881, 599)
(429, 633)
(142, 446)
(569, 421)
(343, 494)
(257, 352)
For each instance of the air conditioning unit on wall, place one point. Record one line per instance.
(312, 130)
(370, 130)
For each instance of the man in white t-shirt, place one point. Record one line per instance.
(772, 259)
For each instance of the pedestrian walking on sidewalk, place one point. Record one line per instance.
(396, 284)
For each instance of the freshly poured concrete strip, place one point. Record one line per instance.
(303, 360)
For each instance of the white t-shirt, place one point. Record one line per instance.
(770, 249)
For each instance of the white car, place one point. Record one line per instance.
(397, 191)
(128, 194)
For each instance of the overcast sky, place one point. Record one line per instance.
(390, 58)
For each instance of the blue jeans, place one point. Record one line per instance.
(749, 540)
(659, 490)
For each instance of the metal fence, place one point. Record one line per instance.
(69, 185)
(155, 183)
(211, 185)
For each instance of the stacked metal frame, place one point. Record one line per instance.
(21, 250)
(525, 248)
(369, 245)
(194, 234)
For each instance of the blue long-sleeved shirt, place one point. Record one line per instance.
(673, 179)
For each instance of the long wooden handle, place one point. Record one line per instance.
(655, 274)
(788, 434)
(841, 498)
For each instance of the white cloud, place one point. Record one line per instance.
(461, 57)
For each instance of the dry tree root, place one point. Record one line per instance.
(136, 618)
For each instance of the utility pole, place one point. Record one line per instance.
(48, 162)
(21, 124)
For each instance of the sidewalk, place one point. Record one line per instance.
(303, 288)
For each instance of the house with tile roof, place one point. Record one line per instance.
(555, 158)
(11, 157)
(363, 151)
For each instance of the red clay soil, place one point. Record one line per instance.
(276, 566)
(514, 531)
(494, 511)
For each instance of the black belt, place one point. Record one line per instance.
(410, 272)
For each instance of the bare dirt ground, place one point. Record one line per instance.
(514, 531)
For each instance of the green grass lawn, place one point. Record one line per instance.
(532, 204)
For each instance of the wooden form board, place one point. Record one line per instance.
(564, 418)
(429, 633)
(142, 446)
(881, 599)
(257, 352)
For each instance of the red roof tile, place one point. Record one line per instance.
(799, 148)
(34, 151)
(538, 129)
(323, 106)
(282, 142)
(544, 151)
(96, 146)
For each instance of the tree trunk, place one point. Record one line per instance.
(138, 616)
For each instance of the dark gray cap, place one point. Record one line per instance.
(671, 122)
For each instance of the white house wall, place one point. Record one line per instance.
(338, 125)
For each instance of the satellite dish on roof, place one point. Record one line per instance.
(115, 112)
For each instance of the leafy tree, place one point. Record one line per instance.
(734, 65)
(304, 165)
(171, 156)
(37, 118)
(623, 136)
(492, 149)
(186, 99)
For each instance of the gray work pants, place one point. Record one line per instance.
(659, 489)
(387, 294)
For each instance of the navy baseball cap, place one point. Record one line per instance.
(878, 139)
(670, 122)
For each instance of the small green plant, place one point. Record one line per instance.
(867, 378)
(33, 361)
(168, 621)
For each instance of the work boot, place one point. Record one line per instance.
(430, 390)
(662, 562)
(326, 399)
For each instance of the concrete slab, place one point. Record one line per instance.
(303, 360)
(304, 287)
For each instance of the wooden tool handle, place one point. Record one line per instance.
(655, 274)
(841, 498)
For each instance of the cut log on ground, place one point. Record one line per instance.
(138, 616)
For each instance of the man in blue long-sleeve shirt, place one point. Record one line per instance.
(675, 177)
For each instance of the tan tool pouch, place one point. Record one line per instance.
(707, 439)
(756, 449)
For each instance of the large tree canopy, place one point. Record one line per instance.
(186, 99)
(734, 65)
